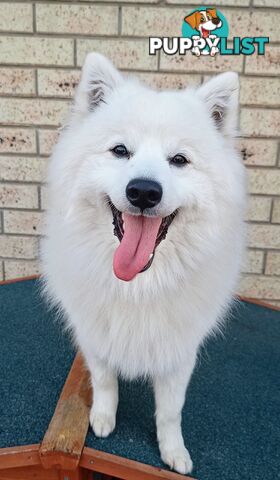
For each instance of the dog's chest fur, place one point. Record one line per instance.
(149, 326)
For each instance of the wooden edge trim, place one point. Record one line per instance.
(23, 456)
(124, 468)
(64, 439)
(258, 302)
(19, 279)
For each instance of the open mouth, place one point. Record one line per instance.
(205, 33)
(139, 237)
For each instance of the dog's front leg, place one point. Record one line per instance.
(196, 49)
(105, 398)
(170, 397)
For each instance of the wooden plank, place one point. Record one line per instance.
(78, 474)
(23, 463)
(64, 440)
(19, 279)
(258, 302)
(27, 455)
(124, 468)
(29, 473)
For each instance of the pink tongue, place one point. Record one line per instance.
(136, 246)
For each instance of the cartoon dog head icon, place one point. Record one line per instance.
(204, 21)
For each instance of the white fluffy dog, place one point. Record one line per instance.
(142, 295)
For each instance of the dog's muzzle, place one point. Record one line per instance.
(139, 237)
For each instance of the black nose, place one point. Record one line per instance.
(143, 193)
(216, 20)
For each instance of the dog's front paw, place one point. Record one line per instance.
(178, 459)
(196, 51)
(213, 51)
(102, 424)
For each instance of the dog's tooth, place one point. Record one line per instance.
(151, 256)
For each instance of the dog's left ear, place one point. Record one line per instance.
(99, 78)
(212, 11)
(193, 19)
(221, 95)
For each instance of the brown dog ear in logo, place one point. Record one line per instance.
(193, 20)
(212, 11)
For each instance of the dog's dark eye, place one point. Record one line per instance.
(179, 160)
(120, 151)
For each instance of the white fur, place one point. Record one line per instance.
(153, 325)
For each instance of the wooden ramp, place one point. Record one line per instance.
(62, 455)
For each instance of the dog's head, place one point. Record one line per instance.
(204, 21)
(147, 160)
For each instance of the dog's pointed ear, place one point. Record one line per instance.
(192, 20)
(221, 96)
(99, 78)
(212, 11)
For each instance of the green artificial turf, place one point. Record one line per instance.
(231, 415)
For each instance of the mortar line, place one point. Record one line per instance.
(34, 17)
(271, 210)
(19, 258)
(278, 155)
(21, 235)
(158, 61)
(264, 262)
(140, 70)
(97, 36)
(66, 68)
(2, 222)
(120, 20)
(39, 198)
(3, 270)
(24, 210)
(19, 182)
(75, 52)
(36, 83)
(30, 155)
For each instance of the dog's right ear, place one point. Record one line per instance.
(99, 78)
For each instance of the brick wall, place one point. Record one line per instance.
(42, 47)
